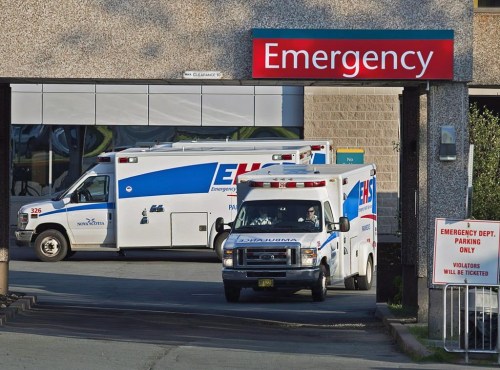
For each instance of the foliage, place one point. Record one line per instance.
(398, 296)
(485, 135)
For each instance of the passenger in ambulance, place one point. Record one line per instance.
(262, 218)
(310, 217)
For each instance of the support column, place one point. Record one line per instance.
(409, 194)
(5, 119)
(447, 105)
(422, 247)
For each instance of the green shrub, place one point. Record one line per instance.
(484, 133)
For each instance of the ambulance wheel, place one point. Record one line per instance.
(51, 246)
(232, 293)
(219, 241)
(319, 290)
(365, 282)
(350, 283)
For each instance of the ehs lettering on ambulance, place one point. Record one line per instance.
(362, 198)
(227, 173)
(362, 201)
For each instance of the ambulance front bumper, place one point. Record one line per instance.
(24, 236)
(297, 278)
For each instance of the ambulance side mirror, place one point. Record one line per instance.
(344, 224)
(219, 224)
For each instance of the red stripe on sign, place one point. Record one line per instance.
(353, 59)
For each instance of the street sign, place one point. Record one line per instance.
(202, 75)
(466, 251)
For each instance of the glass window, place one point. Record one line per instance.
(48, 159)
(94, 189)
(130, 136)
(487, 3)
(328, 213)
(30, 155)
(280, 215)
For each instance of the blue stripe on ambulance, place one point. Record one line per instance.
(330, 238)
(81, 208)
(351, 204)
(319, 158)
(181, 180)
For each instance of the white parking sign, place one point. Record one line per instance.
(466, 251)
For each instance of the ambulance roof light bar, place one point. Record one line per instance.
(287, 184)
(282, 157)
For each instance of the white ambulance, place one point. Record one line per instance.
(321, 150)
(146, 198)
(302, 226)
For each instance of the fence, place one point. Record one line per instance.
(471, 319)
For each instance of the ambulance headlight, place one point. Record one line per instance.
(22, 221)
(308, 256)
(227, 258)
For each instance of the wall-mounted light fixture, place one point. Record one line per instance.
(448, 146)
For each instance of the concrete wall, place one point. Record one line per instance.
(486, 49)
(160, 39)
(365, 118)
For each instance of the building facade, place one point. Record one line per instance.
(93, 75)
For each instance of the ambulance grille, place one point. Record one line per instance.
(267, 257)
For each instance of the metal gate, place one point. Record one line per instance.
(470, 319)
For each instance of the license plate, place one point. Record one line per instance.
(266, 283)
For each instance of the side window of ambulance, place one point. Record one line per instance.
(328, 213)
(94, 189)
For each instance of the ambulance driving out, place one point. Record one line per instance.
(302, 226)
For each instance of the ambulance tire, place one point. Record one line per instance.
(219, 241)
(51, 246)
(232, 293)
(350, 283)
(365, 282)
(320, 289)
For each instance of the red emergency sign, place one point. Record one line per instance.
(353, 54)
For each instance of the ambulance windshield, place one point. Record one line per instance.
(284, 216)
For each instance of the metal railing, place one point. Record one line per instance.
(470, 319)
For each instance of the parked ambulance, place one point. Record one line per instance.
(146, 198)
(321, 150)
(302, 226)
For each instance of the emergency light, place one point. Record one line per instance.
(127, 160)
(103, 159)
(282, 157)
(287, 184)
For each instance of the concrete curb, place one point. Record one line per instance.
(23, 303)
(400, 332)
